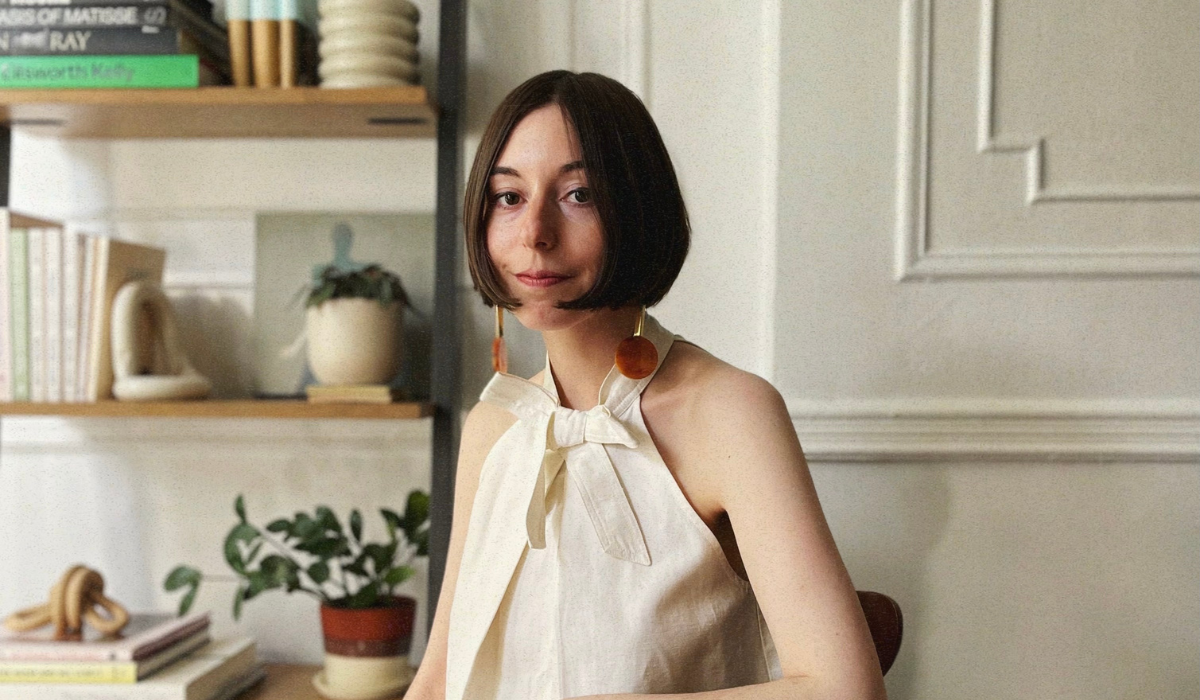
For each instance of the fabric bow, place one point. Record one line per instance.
(575, 439)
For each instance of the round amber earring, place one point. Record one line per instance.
(636, 355)
(499, 351)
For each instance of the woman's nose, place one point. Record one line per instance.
(540, 225)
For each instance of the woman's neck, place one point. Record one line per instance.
(582, 355)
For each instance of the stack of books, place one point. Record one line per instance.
(56, 294)
(158, 657)
(110, 43)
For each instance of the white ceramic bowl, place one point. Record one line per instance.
(361, 80)
(381, 44)
(401, 8)
(368, 23)
(367, 63)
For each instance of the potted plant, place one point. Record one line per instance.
(354, 325)
(366, 626)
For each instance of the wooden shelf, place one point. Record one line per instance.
(223, 112)
(286, 682)
(221, 409)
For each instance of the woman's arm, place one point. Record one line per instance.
(484, 425)
(756, 470)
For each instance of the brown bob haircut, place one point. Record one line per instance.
(632, 182)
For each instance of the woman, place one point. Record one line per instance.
(608, 528)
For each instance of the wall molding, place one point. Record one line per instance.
(979, 430)
(57, 435)
(915, 257)
(1034, 147)
(771, 109)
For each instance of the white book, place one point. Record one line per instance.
(53, 240)
(85, 316)
(208, 673)
(6, 357)
(72, 283)
(37, 314)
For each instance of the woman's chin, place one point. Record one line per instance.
(543, 317)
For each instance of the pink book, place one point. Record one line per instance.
(145, 635)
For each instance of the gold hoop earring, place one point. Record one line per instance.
(499, 351)
(636, 356)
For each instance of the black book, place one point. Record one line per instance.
(89, 42)
(129, 14)
(203, 7)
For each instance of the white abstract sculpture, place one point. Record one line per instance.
(149, 363)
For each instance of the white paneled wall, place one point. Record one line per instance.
(1009, 447)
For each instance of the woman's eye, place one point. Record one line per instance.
(580, 196)
(507, 199)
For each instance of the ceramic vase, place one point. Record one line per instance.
(366, 651)
(354, 341)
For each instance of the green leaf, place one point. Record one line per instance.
(239, 507)
(364, 597)
(182, 576)
(279, 525)
(319, 572)
(237, 603)
(324, 547)
(381, 558)
(243, 533)
(358, 567)
(356, 525)
(278, 569)
(416, 511)
(258, 582)
(188, 599)
(394, 522)
(328, 520)
(305, 527)
(422, 542)
(398, 575)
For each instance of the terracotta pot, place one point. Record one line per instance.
(366, 651)
(354, 341)
(382, 631)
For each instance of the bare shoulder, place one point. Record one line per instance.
(484, 425)
(711, 422)
(704, 387)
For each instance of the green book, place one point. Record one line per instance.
(175, 71)
(19, 305)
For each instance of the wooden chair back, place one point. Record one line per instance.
(886, 624)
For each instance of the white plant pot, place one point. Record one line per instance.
(354, 341)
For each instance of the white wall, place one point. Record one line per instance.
(1009, 449)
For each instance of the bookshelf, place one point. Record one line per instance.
(222, 112)
(248, 408)
(304, 113)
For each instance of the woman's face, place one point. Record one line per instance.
(543, 233)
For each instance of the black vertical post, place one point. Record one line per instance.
(447, 337)
(5, 163)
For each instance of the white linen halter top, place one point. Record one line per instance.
(585, 570)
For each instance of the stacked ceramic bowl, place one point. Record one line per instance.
(368, 43)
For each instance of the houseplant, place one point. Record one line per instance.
(354, 325)
(367, 627)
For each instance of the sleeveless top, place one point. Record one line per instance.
(585, 569)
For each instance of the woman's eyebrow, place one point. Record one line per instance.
(505, 170)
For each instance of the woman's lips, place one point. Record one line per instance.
(540, 280)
